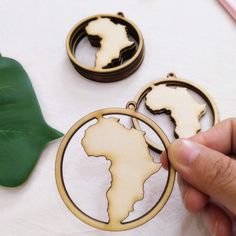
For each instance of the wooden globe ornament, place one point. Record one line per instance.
(120, 42)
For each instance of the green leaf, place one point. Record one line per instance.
(23, 130)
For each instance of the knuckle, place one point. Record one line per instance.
(222, 173)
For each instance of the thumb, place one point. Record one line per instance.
(209, 171)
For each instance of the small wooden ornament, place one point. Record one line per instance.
(120, 42)
(131, 166)
(161, 96)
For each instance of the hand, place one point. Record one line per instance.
(207, 175)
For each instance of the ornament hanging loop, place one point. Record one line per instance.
(120, 14)
(132, 105)
(171, 76)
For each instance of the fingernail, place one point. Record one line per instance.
(183, 152)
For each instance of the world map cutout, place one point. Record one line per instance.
(182, 107)
(131, 163)
(113, 41)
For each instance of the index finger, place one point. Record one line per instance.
(221, 137)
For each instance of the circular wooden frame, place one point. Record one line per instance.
(77, 33)
(62, 188)
(172, 80)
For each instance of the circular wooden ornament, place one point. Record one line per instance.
(172, 80)
(132, 60)
(111, 226)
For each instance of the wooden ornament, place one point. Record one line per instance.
(120, 42)
(162, 97)
(131, 166)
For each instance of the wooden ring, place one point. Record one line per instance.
(78, 32)
(172, 80)
(62, 188)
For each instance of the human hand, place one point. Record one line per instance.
(207, 175)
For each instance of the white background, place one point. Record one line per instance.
(196, 39)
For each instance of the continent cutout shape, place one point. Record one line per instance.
(178, 102)
(131, 163)
(112, 39)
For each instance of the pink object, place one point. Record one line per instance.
(230, 6)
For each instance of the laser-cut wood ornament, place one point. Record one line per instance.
(120, 42)
(131, 166)
(171, 96)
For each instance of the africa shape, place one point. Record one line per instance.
(112, 39)
(131, 163)
(185, 111)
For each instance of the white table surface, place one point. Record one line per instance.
(193, 38)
